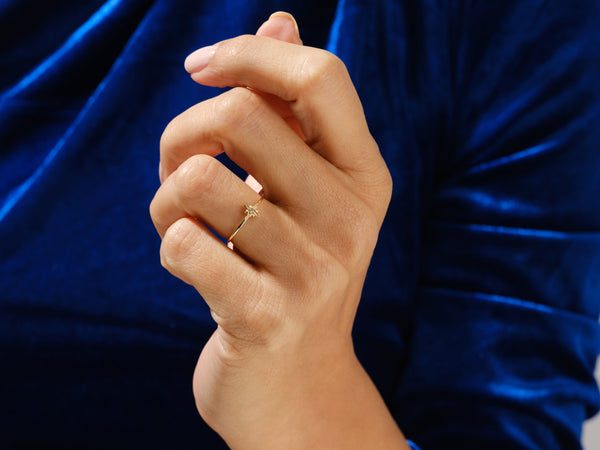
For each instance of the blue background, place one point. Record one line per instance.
(479, 317)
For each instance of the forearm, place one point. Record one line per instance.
(339, 410)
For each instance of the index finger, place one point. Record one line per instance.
(314, 82)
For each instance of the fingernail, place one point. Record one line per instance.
(288, 16)
(199, 59)
(161, 172)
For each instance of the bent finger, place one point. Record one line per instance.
(242, 124)
(205, 189)
(193, 254)
(281, 26)
(314, 82)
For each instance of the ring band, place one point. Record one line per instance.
(250, 211)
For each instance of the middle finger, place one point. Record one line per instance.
(244, 126)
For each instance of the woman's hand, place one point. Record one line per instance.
(280, 370)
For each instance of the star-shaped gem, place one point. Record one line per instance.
(251, 210)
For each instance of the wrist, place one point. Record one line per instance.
(332, 406)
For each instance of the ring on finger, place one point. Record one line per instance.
(251, 211)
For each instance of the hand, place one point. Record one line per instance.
(280, 369)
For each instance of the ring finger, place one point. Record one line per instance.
(205, 189)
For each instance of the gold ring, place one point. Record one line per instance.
(250, 211)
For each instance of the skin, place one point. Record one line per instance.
(280, 371)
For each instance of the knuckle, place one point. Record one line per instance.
(378, 186)
(387, 186)
(154, 212)
(167, 134)
(362, 236)
(358, 232)
(197, 175)
(177, 243)
(320, 68)
(171, 142)
(168, 141)
(236, 108)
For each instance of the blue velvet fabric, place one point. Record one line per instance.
(478, 322)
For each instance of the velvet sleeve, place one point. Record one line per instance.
(505, 333)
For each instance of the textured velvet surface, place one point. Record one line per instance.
(479, 316)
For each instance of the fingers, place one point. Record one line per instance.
(314, 82)
(281, 26)
(241, 123)
(226, 282)
(205, 189)
(301, 190)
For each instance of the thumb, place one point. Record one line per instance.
(282, 26)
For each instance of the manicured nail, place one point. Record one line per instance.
(199, 59)
(288, 16)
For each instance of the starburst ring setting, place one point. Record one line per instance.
(251, 211)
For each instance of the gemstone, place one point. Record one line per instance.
(251, 211)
